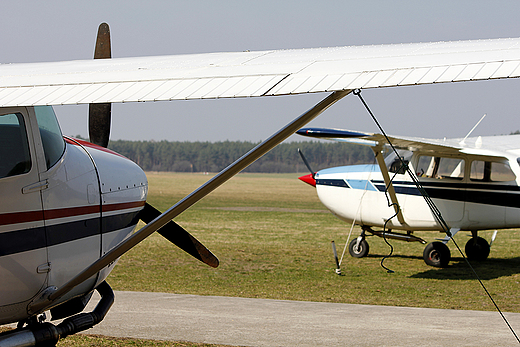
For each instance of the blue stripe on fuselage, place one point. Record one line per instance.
(30, 239)
(349, 169)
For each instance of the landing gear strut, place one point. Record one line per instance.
(358, 248)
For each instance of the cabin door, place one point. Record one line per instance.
(23, 255)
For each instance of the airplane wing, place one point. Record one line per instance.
(373, 140)
(250, 74)
(481, 145)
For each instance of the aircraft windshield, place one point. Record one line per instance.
(394, 164)
(50, 132)
(15, 158)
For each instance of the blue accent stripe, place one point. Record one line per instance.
(361, 184)
(349, 169)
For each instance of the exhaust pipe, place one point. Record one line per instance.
(48, 334)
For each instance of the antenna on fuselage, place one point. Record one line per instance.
(463, 143)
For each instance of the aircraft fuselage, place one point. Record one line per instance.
(472, 192)
(65, 203)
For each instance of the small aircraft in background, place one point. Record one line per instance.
(69, 207)
(473, 183)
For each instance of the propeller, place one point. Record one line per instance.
(306, 163)
(307, 178)
(174, 233)
(99, 134)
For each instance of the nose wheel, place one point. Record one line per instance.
(358, 248)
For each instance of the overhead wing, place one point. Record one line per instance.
(249, 74)
(482, 145)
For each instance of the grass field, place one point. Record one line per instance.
(273, 238)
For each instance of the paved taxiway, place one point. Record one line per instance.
(259, 322)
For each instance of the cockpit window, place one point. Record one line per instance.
(395, 165)
(440, 167)
(15, 158)
(487, 171)
(50, 132)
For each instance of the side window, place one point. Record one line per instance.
(50, 132)
(15, 158)
(487, 171)
(440, 167)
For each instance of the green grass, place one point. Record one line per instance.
(273, 239)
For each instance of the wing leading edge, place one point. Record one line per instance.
(250, 74)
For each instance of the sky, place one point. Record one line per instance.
(34, 31)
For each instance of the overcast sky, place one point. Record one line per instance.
(62, 30)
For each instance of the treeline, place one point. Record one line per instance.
(215, 156)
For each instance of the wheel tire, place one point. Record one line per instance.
(477, 248)
(361, 251)
(437, 254)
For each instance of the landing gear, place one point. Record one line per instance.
(477, 248)
(437, 254)
(358, 248)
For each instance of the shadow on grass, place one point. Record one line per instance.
(486, 270)
(458, 269)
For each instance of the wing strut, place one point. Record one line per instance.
(46, 300)
(388, 183)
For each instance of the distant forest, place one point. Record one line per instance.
(215, 156)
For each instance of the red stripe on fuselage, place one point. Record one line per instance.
(20, 217)
(75, 142)
(35, 216)
(123, 206)
(69, 212)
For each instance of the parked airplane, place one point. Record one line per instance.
(69, 207)
(472, 182)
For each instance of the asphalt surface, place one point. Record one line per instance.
(260, 322)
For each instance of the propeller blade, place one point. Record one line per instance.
(99, 115)
(174, 233)
(103, 48)
(306, 163)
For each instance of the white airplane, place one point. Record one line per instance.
(443, 185)
(69, 207)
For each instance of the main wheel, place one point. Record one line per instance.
(477, 248)
(360, 251)
(437, 254)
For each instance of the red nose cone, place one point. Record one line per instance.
(308, 179)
